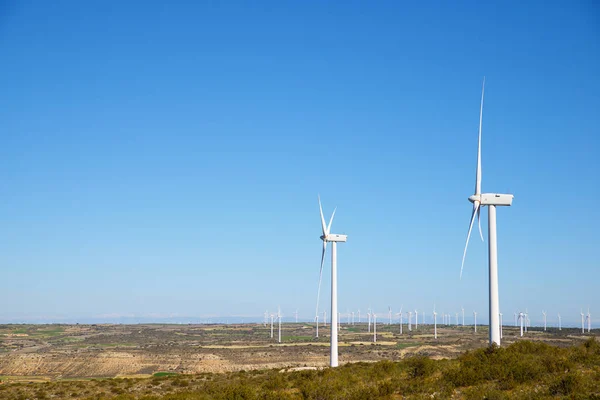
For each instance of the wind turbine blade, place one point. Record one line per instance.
(468, 237)
(479, 223)
(322, 218)
(321, 275)
(478, 173)
(330, 221)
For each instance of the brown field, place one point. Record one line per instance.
(55, 352)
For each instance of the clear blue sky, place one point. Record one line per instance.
(160, 159)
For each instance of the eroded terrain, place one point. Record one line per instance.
(49, 352)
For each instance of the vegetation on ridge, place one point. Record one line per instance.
(525, 369)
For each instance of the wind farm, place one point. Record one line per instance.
(267, 200)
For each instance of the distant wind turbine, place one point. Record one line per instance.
(491, 200)
(279, 318)
(521, 317)
(416, 320)
(400, 314)
(374, 327)
(559, 323)
(475, 319)
(410, 321)
(389, 315)
(589, 320)
(434, 323)
(271, 326)
(463, 315)
(544, 313)
(582, 325)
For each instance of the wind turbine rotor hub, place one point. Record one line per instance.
(475, 198)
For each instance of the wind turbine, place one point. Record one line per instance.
(559, 323)
(359, 315)
(515, 319)
(400, 314)
(410, 321)
(544, 313)
(582, 325)
(434, 323)
(390, 315)
(374, 327)
(492, 200)
(271, 326)
(475, 319)
(416, 320)
(521, 316)
(279, 318)
(500, 325)
(369, 316)
(317, 321)
(334, 239)
(588, 317)
(456, 319)
(463, 314)
(325, 318)
(352, 317)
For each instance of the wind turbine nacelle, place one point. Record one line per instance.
(495, 199)
(334, 237)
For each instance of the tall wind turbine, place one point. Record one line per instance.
(463, 314)
(492, 200)
(409, 321)
(389, 315)
(334, 239)
(582, 324)
(559, 323)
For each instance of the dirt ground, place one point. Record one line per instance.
(44, 352)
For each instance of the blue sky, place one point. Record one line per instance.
(166, 159)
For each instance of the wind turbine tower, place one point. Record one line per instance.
(582, 324)
(434, 323)
(475, 319)
(492, 200)
(559, 323)
(327, 237)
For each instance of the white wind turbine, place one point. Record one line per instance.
(389, 315)
(582, 324)
(434, 323)
(271, 326)
(416, 320)
(334, 239)
(475, 319)
(374, 327)
(491, 200)
(400, 314)
(463, 314)
(456, 319)
(359, 315)
(317, 321)
(410, 321)
(279, 322)
(515, 319)
(559, 323)
(500, 325)
(588, 317)
(369, 316)
(521, 317)
(544, 313)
